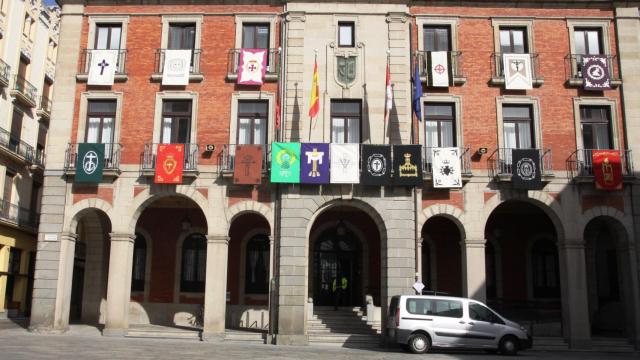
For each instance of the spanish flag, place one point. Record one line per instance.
(314, 104)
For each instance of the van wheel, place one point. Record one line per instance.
(419, 343)
(508, 346)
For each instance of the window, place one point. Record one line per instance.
(435, 307)
(139, 263)
(544, 260)
(176, 121)
(7, 191)
(439, 124)
(595, 122)
(257, 266)
(34, 204)
(345, 121)
(108, 36)
(252, 122)
(513, 40)
(587, 41)
(255, 36)
(346, 34)
(518, 126)
(437, 38)
(182, 36)
(101, 115)
(16, 130)
(41, 142)
(194, 256)
(481, 313)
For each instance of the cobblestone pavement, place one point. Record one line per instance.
(17, 343)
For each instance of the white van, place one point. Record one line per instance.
(423, 321)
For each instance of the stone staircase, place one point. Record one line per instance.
(150, 331)
(598, 344)
(244, 337)
(345, 327)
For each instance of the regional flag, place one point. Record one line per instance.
(169, 164)
(607, 169)
(89, 163)
(285, 162)
(417, 93)
(314, 104)
(388, 104)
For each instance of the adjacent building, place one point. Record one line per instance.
(496, 82)
(28, 47)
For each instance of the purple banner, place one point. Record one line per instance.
(314, 164)
(595, 72)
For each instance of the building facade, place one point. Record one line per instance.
(213, 254)
(28, 46)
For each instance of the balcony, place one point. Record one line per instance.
(580, 165)
(85, 64)
(194, 69)
(501, 164)
(38, 160)
(497, 76)
(16, 149)
(273, 65)
(111, 159)
(465, 163)
(573, 69)
(17, 216)
(455, 61)
(44, 110)
(5, 74)
(226, 159)
(189, 167)
(24, 92)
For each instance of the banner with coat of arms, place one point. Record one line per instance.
(252, 67)
(285, 162)
(89, 163)
(607, 169)
(446, 167)
(376, 165)
(177, 65)
(595, 72)
(315, 163)
(169, 164)
(517, 71)
(439, 69)
(407, 165)
(247, 168)
(526, 169)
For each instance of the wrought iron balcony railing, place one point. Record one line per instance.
(455, 61)
(44, 109)
(87, 54)
(580, 163)
(5, 73)
(194, 66)
(273, 64)
(18, 215)
(501, 162)
(16, 146)
(111, 157)
(39, 157)
(497, 65)
(226, 158)
(573, 63)
(465, 161)
(190, 157)
(26, 90)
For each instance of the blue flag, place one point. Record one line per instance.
(417, 94)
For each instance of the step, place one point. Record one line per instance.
(244, 337)
(185, 335)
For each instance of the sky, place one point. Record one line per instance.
(50, 2)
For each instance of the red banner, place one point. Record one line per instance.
(607, 169)
(169, 164)
(248, 165)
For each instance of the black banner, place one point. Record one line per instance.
(376, 165)
(526, 169)
(407, 165)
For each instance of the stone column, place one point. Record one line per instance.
(575, 301)
(119, 284)
(474, 277)
(215, 291)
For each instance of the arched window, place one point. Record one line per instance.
(544, 260)
(257, 265)
(139, 263)
(194, 257)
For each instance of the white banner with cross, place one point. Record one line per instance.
(103, 67)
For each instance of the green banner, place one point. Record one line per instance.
(89, 163)
(285, 162)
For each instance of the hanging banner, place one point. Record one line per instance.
(89, 163)
(407, 165)
(345, 163)
(440, 74)
(252, 67)
(169, 164)
(607, 169)
(526, 170)
(285, 162)
(595, 72)
(102, 67)
(314, 164)
(176, 69)
(446, 167)
(517, 71)
(247, 169)
(376, 165)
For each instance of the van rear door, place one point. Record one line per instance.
(393, 312)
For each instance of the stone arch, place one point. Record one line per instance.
(621, 222)
(145, 198)
(245, 207)
(450, 212)
(355, 203)
(541, 200)
(82, 207)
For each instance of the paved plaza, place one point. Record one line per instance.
(16, 343)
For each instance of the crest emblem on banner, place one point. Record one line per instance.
(446, 167)
(176, 68)
(285, 162)
(407, 163)
(376, 165)
(595, 72)
(253, 66)
(90, 162)
(169, 164)
(517, 71)
(346, 69)
(314, 164)
(526, 169)
(607, 169)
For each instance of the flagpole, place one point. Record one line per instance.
(313, 86)
(387, 117)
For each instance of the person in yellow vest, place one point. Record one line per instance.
(339, 291)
